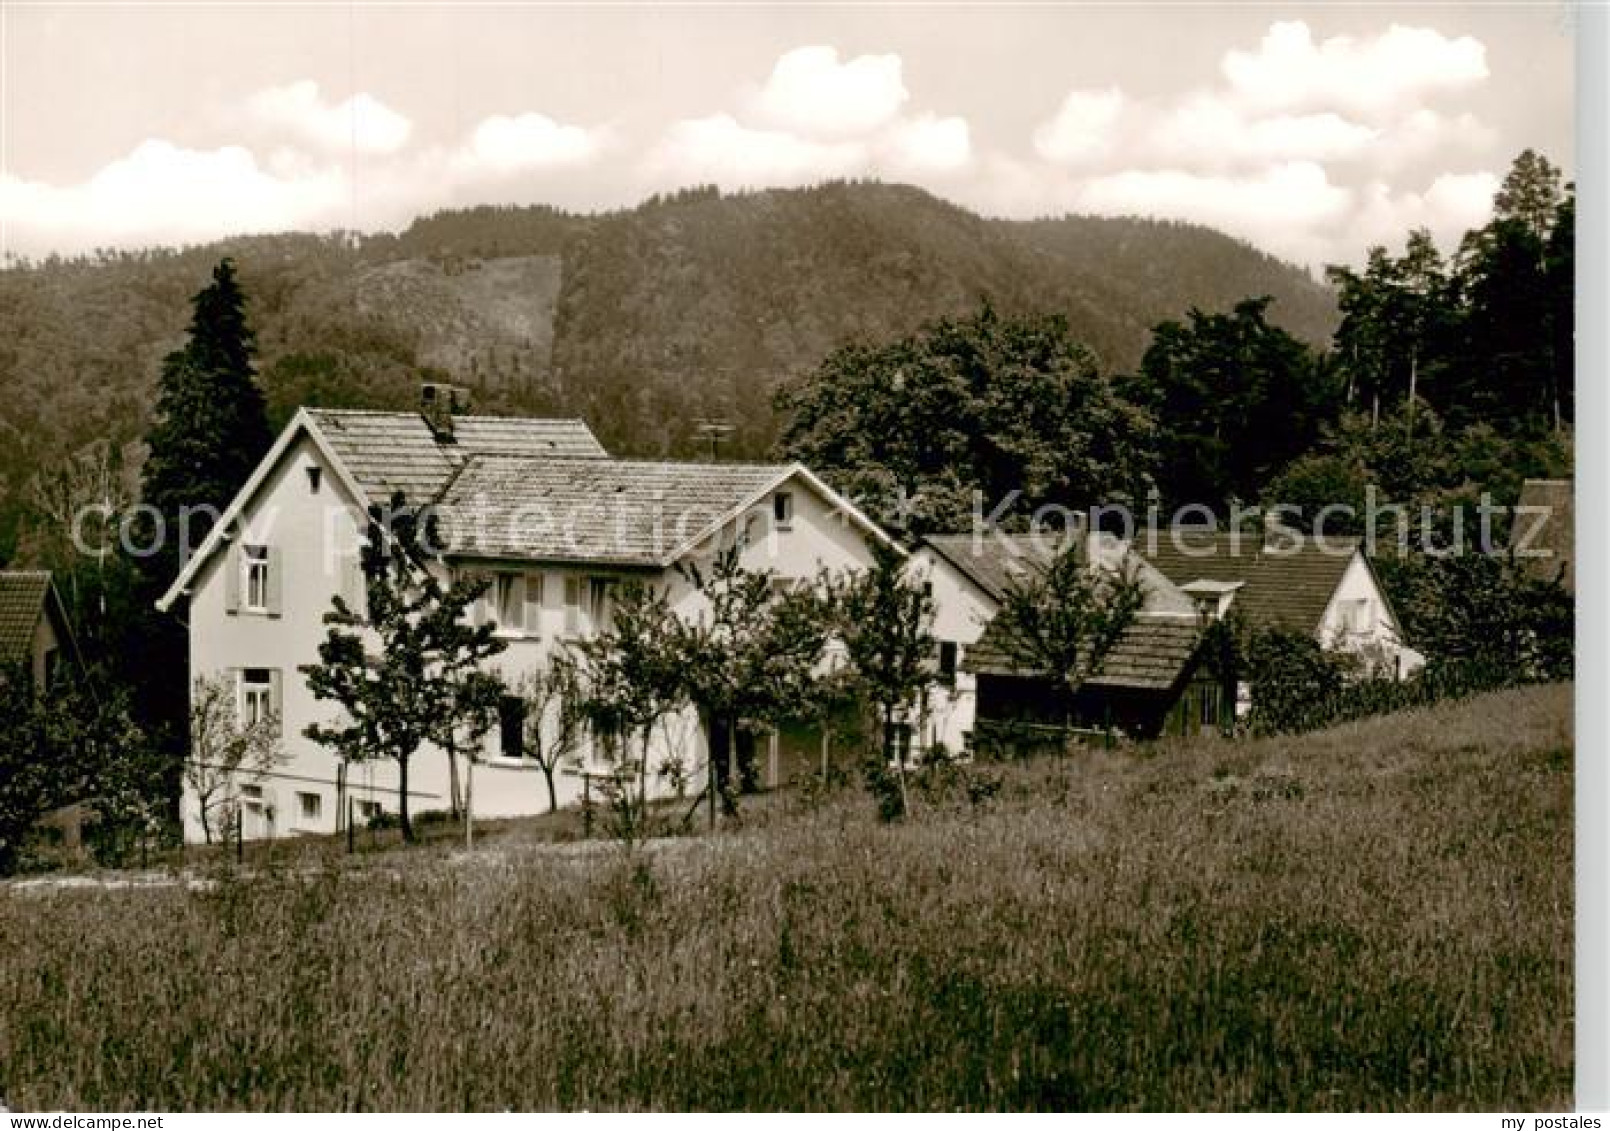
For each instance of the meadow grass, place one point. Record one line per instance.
(1376, 916)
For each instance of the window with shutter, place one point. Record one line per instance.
(254, 578)
(256, 696)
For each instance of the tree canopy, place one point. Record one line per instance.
(1012, 408)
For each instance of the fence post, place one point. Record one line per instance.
(240, 836)
(351, 843)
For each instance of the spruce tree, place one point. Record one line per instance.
(211, 425)
(209, 431)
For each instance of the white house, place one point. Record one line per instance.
(1153, 682)
(968, 574)
(540, 506)
(1326, 587)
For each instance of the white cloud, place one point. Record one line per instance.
(362, 122)
(811, 92)
(719, 149)
(1302, 146)
(1377, 74)
(1450, 205)
(1291, 209)
(1083, 128)
(163, 193)
(927, 144)
(1208, 131)
(509, 144)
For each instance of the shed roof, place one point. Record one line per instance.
(1151, 655)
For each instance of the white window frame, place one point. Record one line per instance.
(503, 593)
(254, 581)
(256, 696)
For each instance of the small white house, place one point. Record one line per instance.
(1326, 587)
(968, 574)
(540, 506)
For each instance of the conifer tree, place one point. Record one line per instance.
(209, 431)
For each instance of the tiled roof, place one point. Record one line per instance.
(994, 562)
(397, 451)
(1289, 584)
(1550, 531)
(1151, 655)
(22, 603)
(626, 512)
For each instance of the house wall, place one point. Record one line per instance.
(315, 539)
(47, 640)
(961, 613)
(1357, 619)
(314, 535)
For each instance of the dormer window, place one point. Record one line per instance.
(782, 509)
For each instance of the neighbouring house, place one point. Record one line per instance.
(1153, 682)
(36, 635)
(34, 630)
(1280, 579)
(541, 507)
(1543, 534)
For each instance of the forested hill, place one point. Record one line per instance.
(641, 321)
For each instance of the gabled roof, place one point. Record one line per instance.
(398, 451)
(991, 562)
(996, 561)
(24, 597)
(1289, 583)
(1545, 519)
(627, 512)
(1151, 655)
(374, 453)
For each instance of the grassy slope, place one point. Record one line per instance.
(1378, 916)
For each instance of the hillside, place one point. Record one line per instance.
(640, 320)
(1376, 917)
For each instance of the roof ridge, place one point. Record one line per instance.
(416, 415)
(594, 461)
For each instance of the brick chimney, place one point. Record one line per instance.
(438, 402)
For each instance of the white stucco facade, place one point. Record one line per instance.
(306, 526)
(962, 610)
(1358, 619)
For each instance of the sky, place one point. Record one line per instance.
(1312, 131)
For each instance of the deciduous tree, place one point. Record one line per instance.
(408, 668)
